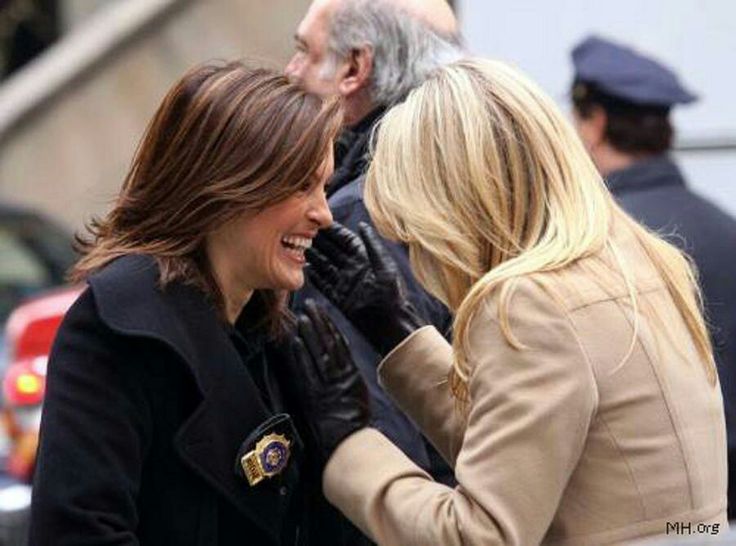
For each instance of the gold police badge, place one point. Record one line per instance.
(268, 458)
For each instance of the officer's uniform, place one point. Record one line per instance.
(654, 192)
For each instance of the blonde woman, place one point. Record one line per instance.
(579, 403)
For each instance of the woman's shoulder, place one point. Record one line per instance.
(126, 291)
(110, 292)
(607, 275)
(526, 326)
(131, 301)
(538, 299)
(83, 331)
(523, 312)
(524, 297)
(126, 274)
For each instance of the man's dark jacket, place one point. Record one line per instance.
(654, 192)
(148, 403)
(345, 196)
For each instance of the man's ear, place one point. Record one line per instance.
(598, 121)
(355, 74)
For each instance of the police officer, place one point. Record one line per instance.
(622, 101)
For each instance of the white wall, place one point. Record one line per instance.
(695, 37)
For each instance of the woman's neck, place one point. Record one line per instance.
(235, 294)
(235, 301)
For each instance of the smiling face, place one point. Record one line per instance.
(265, 250)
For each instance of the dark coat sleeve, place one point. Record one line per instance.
(95, 431)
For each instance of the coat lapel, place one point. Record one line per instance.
(130, 302)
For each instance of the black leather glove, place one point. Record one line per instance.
(329, 388)
(360, 278)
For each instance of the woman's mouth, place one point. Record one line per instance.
(295, 246)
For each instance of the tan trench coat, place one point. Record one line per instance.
(562, 444)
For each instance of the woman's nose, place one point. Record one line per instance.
(320, 212)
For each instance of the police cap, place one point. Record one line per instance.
(605, 67)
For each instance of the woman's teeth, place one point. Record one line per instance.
(297, 243)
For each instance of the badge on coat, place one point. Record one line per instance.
(268, 459)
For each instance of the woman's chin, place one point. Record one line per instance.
(291, 283)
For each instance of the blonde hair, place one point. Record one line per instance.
(487, 182)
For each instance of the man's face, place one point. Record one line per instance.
(591, 130)
(312, 65)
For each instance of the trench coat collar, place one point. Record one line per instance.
(130, 302)
(645, 174)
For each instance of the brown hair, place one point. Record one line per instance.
(630, 128)
(226, 139)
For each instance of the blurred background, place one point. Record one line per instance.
(696, 38)
(70, 118)
(82, 77)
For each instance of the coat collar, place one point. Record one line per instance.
(351, 151)
(130, 302)
(646, 174)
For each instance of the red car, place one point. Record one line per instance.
(29, 334)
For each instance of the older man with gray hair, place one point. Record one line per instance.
(372, 53)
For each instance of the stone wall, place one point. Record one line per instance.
(70, 158)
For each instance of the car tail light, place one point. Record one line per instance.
(29, 335)
(31, 328)
(24, 383)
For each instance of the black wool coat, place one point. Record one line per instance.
(148, 405)
(654, 192)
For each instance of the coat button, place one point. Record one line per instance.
(283, 490)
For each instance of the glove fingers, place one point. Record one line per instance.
(342, 348)
(305, 367)
(380, 259)
(318, 319)
(340, 244)
(330, 338)
(321, 284)
(341, 253)
(313, 345)
(321, 271)
(339, 235)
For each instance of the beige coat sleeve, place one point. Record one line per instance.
(527, 425)
(425, 396)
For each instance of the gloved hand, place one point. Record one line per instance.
(360, 278)
(330, 391)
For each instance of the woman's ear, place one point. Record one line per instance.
(355, 74)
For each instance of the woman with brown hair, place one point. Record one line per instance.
(165, 419)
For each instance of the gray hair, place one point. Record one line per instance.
(405, 49)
